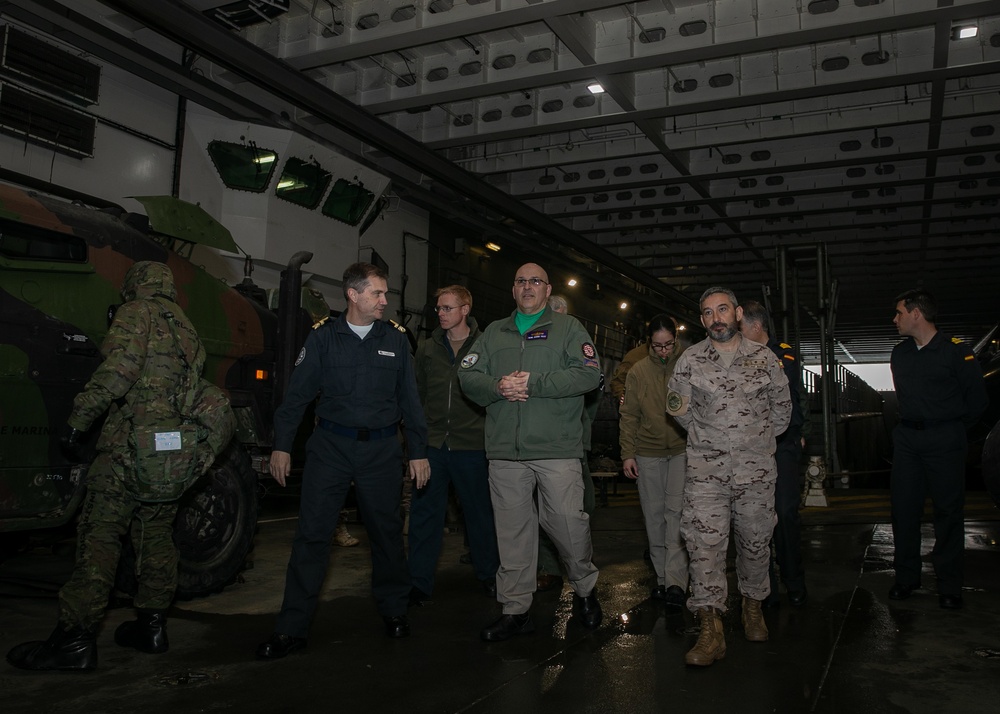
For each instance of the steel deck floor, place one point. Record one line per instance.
(848, 649)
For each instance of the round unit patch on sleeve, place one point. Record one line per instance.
(469, 360)
(677, 405)
(302, 356)
(588, 350)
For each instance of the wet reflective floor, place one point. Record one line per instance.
(848, 649)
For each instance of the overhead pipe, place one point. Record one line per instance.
(825, 377)
(783, 291)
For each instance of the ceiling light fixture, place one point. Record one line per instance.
(624, 306)
(964, 32)
(495, 247)
(571, 282)
(595, 88)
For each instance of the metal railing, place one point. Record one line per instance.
(861, 439)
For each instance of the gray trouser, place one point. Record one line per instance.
(559, 511)
(661, 493)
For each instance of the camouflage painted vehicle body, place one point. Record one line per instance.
(61, 267)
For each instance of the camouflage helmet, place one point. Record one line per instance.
(146, 279)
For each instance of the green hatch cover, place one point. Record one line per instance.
(186, 221)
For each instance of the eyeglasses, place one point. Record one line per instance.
(535, 282)
(663, 345)
(447, 308)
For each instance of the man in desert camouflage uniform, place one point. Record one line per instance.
(149, 368)
(732, 396)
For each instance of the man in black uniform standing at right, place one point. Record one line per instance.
(940, 389)
(362, 372)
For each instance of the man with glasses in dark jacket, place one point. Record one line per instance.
(456, 450)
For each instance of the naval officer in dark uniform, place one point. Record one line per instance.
(361, 371)
(940, 389)
(787, 457)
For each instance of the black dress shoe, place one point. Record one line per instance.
(798, 597)
(950, 602)
(590, 610)
(490, 587)
(397, 626)
(659, 592)
(901, 592)
(507, 626)
(675, 597)
(418, 597)
(66, 650)
(279, 646)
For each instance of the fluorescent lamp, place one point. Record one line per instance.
(595, 88)
(494, 247)
(964, 32)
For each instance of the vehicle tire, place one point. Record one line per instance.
(215, 525)
(213, 531)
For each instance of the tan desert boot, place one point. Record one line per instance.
(754, 626)
(711, 644)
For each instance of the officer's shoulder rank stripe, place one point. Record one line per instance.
(785, 346)
(789, 356)
(321, 323)
(968, 358)
(956, 340)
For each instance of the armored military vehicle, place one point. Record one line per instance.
(61, 267)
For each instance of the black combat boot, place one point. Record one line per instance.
(67, 649)
(147, 633)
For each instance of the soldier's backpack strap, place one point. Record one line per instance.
(167, 457)
(206, 407)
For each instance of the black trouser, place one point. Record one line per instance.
(332, 463)
(787, 532)
(929, 461)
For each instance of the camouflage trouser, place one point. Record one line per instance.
(710, 502)
(108, 510)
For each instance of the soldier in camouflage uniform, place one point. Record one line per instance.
(149, 369)
(732, 396)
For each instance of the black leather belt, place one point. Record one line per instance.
(360, 434)
(926, 423)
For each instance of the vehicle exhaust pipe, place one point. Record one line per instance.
(291, 336)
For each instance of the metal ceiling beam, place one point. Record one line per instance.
(842, 232)
(726, 104)
(796, 193)
(360, 47)
(833, 212)
(775, 139)
(568, 31)
(900, 20)
(768, 171)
